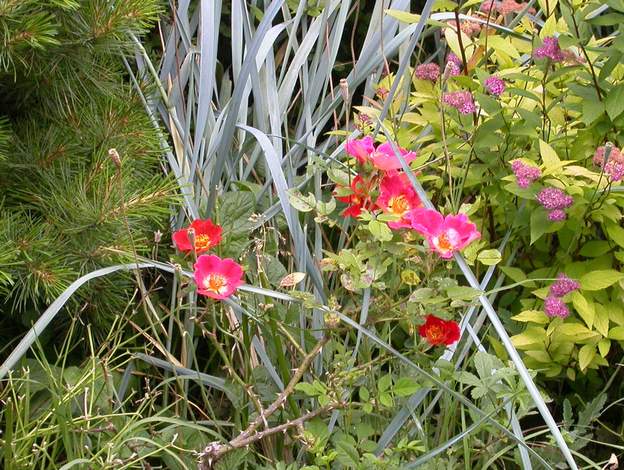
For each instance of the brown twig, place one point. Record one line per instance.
(215, 450)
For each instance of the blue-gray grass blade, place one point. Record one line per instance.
(230, 122)
(274, 164)
(48, 315)
(210, 380)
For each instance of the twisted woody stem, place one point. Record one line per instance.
(215, 450)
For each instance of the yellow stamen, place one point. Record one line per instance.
(215, 283)
(398, 205)
(202, 242)
(444, 244)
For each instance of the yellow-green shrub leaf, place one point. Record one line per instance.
(616, 234)
(404, 16)
(539, 356)
(489, 257)
(597, 280)
(531, 337)
(586, 355)
(601, 320)
(576, 331)
(603, 346)
(617, 333)
(535, 316)
(549, 156)
(584, 308)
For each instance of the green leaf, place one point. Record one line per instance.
(601, 320)
(307, 388)
(380, 231)
(549, 156)
(617, 333)
(584, 308)
(603, 346)
(403, 16)
(531, 337)
(463, 292)
(385, 382)
(405, 386)
(489, 257)
(615, 101)
(300, 202)
(598, 280)
(616, 233)
(586, 355)
(535, 316)
(592, 110)
(576, 331)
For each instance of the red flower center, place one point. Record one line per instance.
(202, 242)
(215, 283)
(435, 334)
(398, 205)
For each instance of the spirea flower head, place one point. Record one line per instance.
(504, 7)
(469, 28)
(217, 278)
(525, 174)
(600, 155)
(359, 197)
(549, 50)
(612, 161)
(555, 307)
(360, 148)
(495, 85)
(563, 286)
(397, 197)
(615, 170)
(454, 65)
(445, 235)
(384, 158)
(554, 198)
(437, 331)
(557, 215)
(430, 71)
(206, 235)
(460, 100)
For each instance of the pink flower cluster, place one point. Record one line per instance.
(454, 65)
(554, 200)
(460, 100)
(469, 28)
(504, 7)
(495, 85)
(430, 71)
(525, 174)
(614, 166)
(563, 286)
(554, 306)
(549, 50)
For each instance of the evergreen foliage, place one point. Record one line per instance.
(66, 205)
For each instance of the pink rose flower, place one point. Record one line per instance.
(446, 235)
(385, 159)
(217, 278)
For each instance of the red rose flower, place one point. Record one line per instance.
(358, 199)
(437, 331)
(207, 236)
